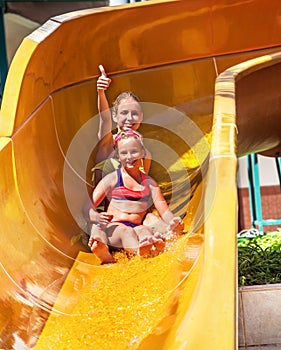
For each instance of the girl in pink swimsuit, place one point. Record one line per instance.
(131, 193)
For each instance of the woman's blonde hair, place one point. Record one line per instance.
(120, 97)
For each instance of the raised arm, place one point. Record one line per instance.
(105, 125)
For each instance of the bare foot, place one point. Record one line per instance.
(101, 250)
(145, 247)
(159, 243)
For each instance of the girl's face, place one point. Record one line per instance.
(129, 114)
(130, 152)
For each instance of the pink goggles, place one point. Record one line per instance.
(126, 133)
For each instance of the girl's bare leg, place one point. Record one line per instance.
(122, 236)
(98, 245)
(133, 240)
(156, 224)
(153, 244)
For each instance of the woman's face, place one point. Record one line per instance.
(130, 152)
(129, 114)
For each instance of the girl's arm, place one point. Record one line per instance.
(175, 223)
(99, 193)
(104, 186)
(105, 125)
(160, 202)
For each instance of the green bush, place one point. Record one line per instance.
(259, 259)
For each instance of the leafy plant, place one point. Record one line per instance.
(259, 259)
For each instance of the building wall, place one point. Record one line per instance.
(270, 192)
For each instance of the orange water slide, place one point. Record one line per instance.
(208, 74)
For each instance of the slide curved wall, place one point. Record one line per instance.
(204, 99)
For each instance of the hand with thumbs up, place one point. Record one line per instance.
(103, 81)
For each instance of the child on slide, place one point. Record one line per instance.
(130, 193)
(126, 113)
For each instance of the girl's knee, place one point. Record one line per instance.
(129, 240)
(143, 231)
(97, 233)
(129, 232)
(150, 219)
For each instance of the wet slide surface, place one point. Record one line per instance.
(55, 295)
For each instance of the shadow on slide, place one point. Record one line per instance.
(209, 86)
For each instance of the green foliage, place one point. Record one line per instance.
(259, 259)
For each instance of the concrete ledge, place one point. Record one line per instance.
(259, 314)
(16, 29)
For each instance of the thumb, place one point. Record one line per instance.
(102, 70)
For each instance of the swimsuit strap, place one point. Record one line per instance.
(120, 182)
(144, 180)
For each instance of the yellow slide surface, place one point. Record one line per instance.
(208, 73)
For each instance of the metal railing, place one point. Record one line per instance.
(255, 193)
